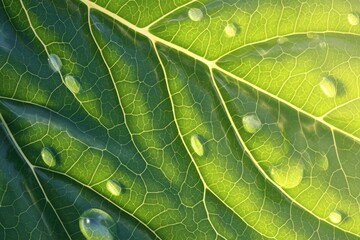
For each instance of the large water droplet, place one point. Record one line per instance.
(195, 14)
(72, 84)
(251, 123)
(232, 29)
(197, 145)
(114, 187)
(48, 157)
(335, 217)
(328, 86)
(353, 19)
(55, 62)
(97, 224)
(288, 174)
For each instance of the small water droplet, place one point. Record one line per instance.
(282, 40)
(232, 29)
(48, 157)
(197, 145)
(55, 62)
(263, 52)
(353, 19)
(312, 35)
(288, 174)
(328, 86)
(251, 123)
(96, 224)
(335, 217)
(322, 44)
(195, 14)
(72, 84)
(323, 162)
(114, 187)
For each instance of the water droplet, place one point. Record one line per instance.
(313, 35)
(114, 187)
(353, 19)
(48, 157)
(55, 62)
(263, 52)
(335, 217)
(197, 145)
(231, 29)
(282, 40)
(195, 14)
(288, 174)
(323, 162)
(251, 123)
(322, 44)
(72, 84)
(96, 224)
(327, 85)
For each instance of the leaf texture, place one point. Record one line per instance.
(180, 119)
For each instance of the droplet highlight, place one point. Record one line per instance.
(48, 157)
(323, 162)
(323, 44)
(282, 40)
(328, 87)
(232, 29)
(72, 84)
(312, 35)
(335, 217)
(114, 187)
(97, 224)
(353, 19)
(288, 175)
(197, 145)
(55, 62)
(195, 14)
(251, 123)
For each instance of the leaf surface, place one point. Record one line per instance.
(180, 119)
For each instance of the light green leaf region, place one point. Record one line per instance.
(154, 119)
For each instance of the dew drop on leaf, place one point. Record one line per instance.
(353, 19)
(335, 217)
(312, 35)
(251, 123)
(289, 174)
(323, 44)
(323, 162)
(55, 62)
(48, 157)
(282, 40)
(328, 87)
(114, 187)
(96, 224)
(195, 14)
(72, 84)
(231, 29)
(197, 145)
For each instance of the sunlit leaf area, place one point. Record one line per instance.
(178, 119)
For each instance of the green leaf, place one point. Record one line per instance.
(179, 119)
